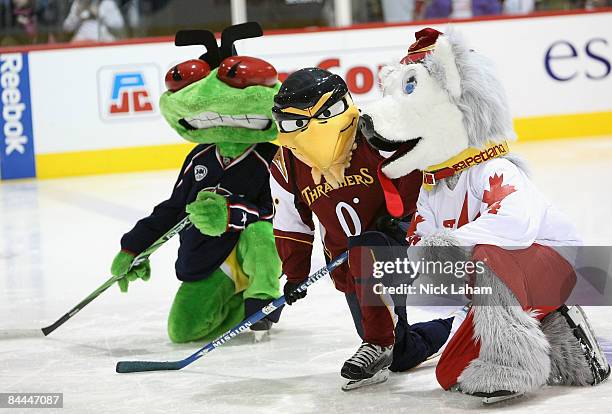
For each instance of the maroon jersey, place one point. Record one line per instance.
(347, 211)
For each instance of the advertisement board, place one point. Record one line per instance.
(17, 146)
(95, 109)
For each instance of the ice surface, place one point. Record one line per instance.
(58, 238)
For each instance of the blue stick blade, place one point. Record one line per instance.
(141, 366)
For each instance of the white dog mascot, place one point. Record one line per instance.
(444, 112)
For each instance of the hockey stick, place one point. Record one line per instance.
(140, 366)
(25, 333)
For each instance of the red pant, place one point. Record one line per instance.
(377, 312)
(462, 349)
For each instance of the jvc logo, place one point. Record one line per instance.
(13, 107)
(129, 94)
(130, 91)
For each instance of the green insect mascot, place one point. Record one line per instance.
(227, 261)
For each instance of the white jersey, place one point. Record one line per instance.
(493, 203)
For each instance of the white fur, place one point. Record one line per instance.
(568, 363)
(458, 102)
(444, 53)
(432, 116)
(514, 352)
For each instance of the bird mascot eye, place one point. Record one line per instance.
(410, 85)
(335, 109)
(290, 125)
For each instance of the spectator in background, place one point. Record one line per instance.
(395, 11)
(461, 9)
(19, 22)
(434, 9)
(519, 6)
(458, 9)
(486, 7)
(95, 20)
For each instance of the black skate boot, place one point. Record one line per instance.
(368, 366)
(262, 325)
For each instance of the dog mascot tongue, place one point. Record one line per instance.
(227, 261)
(444, 112)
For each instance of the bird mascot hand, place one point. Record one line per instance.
(121, 267)
(209, 213)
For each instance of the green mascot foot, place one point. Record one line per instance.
(260, 261)
(205, 309)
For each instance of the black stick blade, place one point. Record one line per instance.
(142, 366)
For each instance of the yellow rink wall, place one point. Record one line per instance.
(564, 126)
(109, 161)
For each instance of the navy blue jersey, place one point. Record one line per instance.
(244, 181)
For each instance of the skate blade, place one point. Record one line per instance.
(501, 398)
(379, 377)
(260, 336)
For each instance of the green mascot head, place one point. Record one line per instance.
(221, 98)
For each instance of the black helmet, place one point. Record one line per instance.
(303, 89)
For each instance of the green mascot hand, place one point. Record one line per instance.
(209, 213)
(121, 265)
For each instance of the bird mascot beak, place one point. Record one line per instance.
(321, 134)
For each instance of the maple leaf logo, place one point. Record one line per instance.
(498, 192)
(411, 236)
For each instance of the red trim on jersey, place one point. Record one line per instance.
(245, 208)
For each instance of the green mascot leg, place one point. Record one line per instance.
(205, 309)
(260, 262)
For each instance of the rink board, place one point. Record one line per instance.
(95, 109)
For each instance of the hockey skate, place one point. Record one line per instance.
(368, 366)
(261, 329)
(596, 359)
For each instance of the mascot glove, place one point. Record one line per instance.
(209, 213)
(121, 267)
(291, 295)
